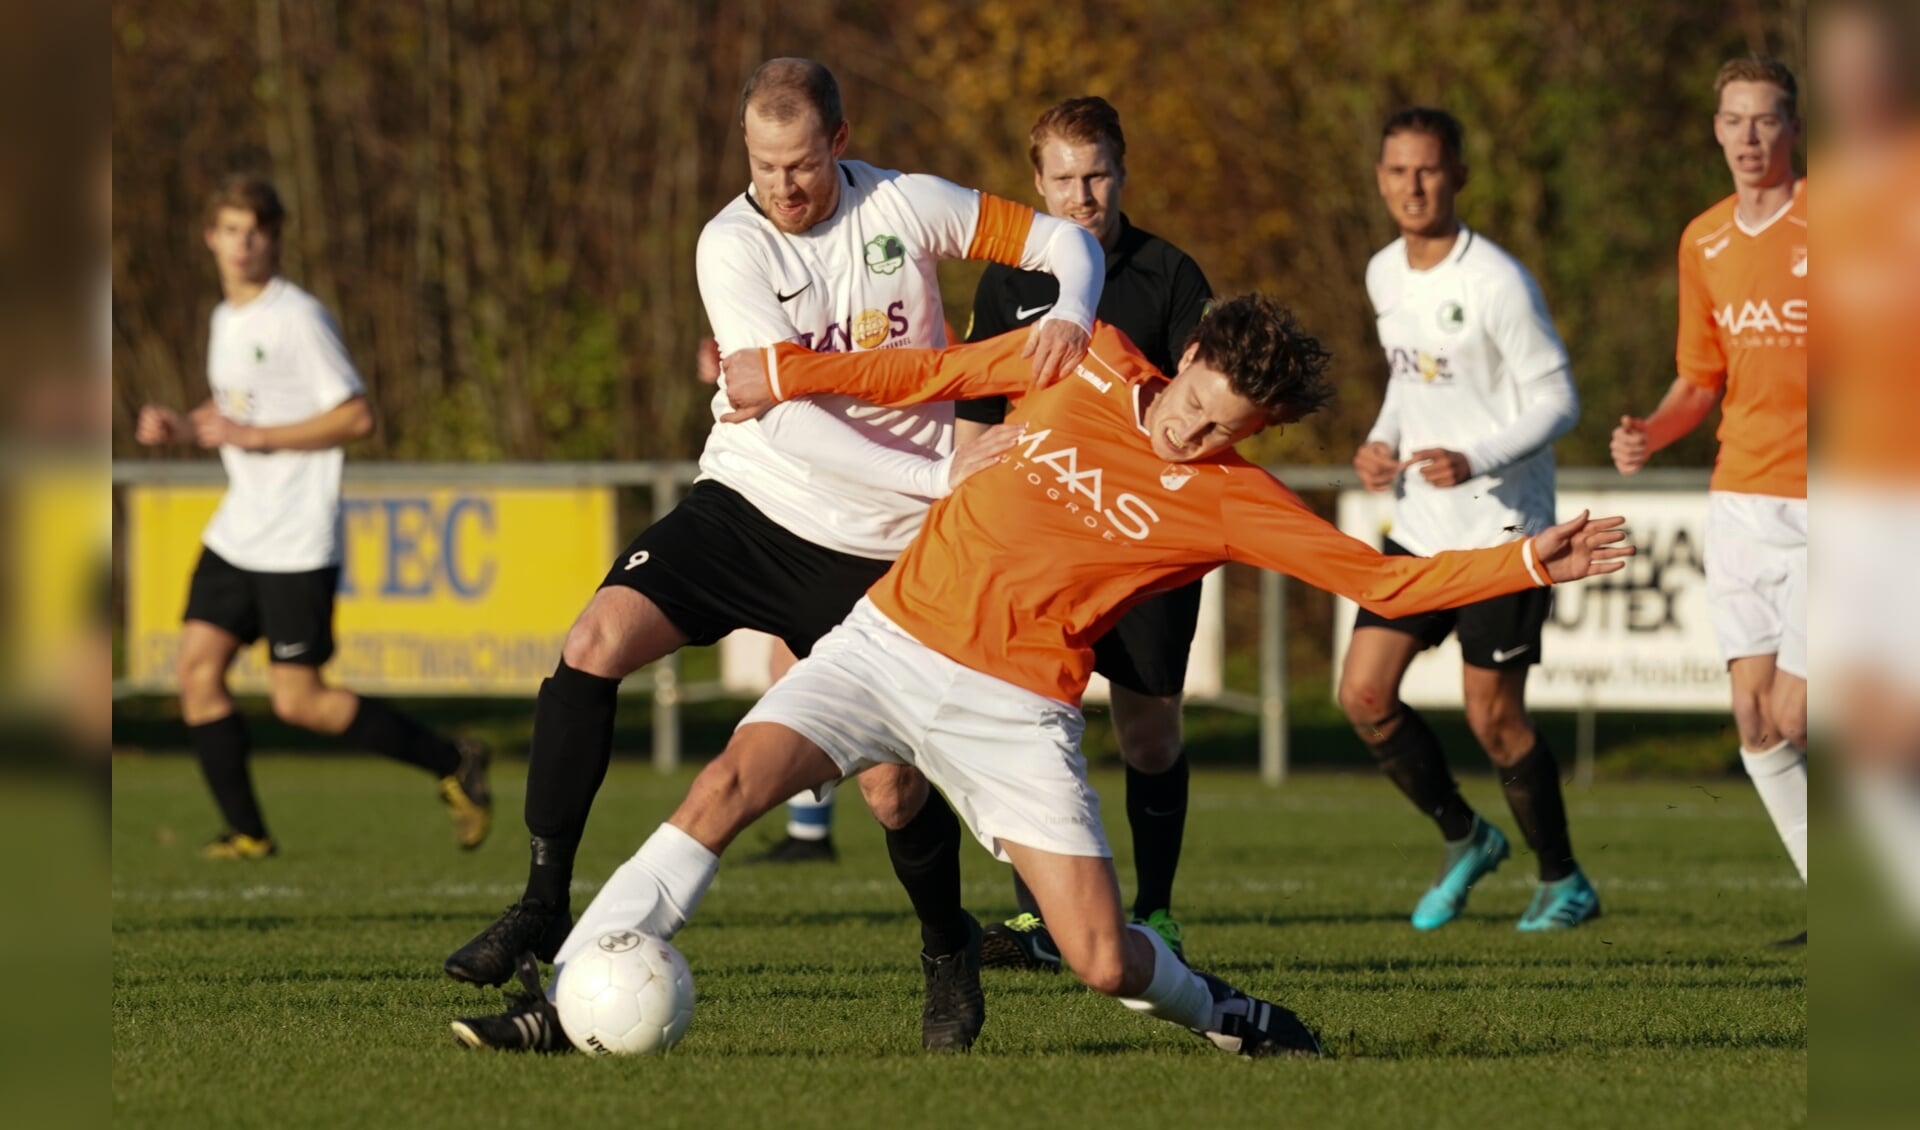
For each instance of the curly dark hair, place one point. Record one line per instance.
(1267, 357)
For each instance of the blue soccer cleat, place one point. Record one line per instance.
(1486, 850)
(1561, 904)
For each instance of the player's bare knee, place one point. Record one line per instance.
(1372, 708)
(202, 682)
(593, 644)
(1790, 724)
(1501, 730)
(894, 797)
(1151, 751)
(295, 707)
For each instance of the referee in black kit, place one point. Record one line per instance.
(1156, 295)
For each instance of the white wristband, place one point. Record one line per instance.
(1526, 558)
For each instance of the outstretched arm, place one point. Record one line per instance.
(1272, 528)
(757, 379)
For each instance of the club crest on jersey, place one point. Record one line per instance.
(886, 254)
(1451, 317)
(1175, 475)
(1799, 261)
(259, 354)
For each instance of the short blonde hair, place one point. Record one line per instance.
(1758, 68)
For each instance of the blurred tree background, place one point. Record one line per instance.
(500, 198)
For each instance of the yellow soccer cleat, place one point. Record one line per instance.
(468, 796)
(237, 845)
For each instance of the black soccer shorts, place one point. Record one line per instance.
(1497, 634)
(716, 564)
(294, 611)
(1147, 650)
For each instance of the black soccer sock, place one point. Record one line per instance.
(926, 857)
(1157, 812)
(222, 747)
(379, 727)
(1023, 896)
(572, 746)
(1532, 785)
(1413, 760)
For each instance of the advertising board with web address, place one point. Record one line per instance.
(455, 589)
(1638, 639)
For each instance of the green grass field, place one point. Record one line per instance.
(306, 990)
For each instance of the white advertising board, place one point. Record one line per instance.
(1638, 639)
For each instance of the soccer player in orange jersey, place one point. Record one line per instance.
(968, 659)
(1743, 344)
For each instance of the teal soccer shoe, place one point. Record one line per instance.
(1486, 850)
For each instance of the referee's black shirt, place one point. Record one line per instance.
(1154, 293)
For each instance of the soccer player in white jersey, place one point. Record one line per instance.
(286, 399)
(1743, 334)
(1478, 388)
(796, 514)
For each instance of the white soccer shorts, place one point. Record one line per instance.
(1869, 605)
(1007, 759)
(1757, 577)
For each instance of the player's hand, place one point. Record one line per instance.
(1629, 446)
(746, 384)
(1057, 347)
(211, 429)
(1441, 467)
(1583, 547)
(1377, 465)
(158, 425)
(982, 451)
(707, 358)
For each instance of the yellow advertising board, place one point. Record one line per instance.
(443, 589)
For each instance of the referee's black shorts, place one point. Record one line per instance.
(716, 564)
(1146, 651)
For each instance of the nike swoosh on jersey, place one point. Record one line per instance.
(1021, 313)
(794, 295)
(1502, 656)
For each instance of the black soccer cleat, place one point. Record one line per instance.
(1021, 942)
(530, 1023)
(793, 849)
(955, 1007)
(528, 926)
(1252, 1027)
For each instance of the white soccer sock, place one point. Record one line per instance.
(1886, 806)
(809, 818)
(1176, 994)
(1780, 776)
(654, 892)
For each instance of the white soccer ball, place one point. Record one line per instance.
(626, 994)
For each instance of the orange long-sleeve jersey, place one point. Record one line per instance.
(1743, 332)
(1027, 563)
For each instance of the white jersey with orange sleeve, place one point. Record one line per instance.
(1474, 365)
(1743, 333)
(1028, 562)
(839, 473)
